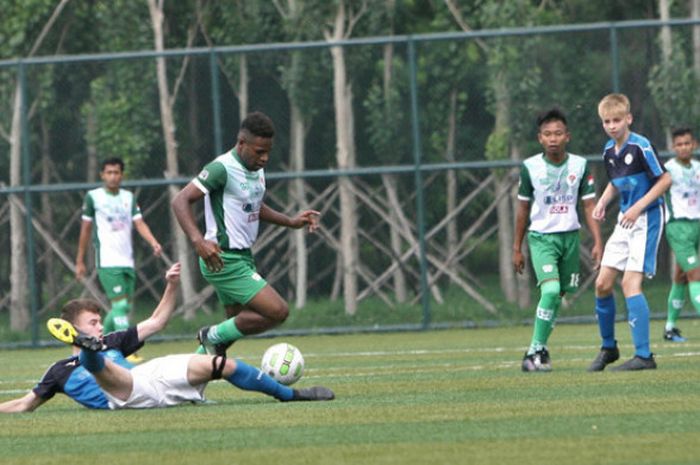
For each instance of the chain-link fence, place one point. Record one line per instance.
(428, 130)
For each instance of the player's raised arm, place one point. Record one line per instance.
(161, 315)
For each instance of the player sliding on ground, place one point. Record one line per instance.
(98, 375)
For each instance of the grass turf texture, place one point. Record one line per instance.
(447, 397)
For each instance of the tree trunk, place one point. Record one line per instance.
(398, 276)
(666, 51)
(523, 280)
(504, 210)
(298, 195)
(345, 156)
(390, 181)
(19, 311)
(182, 251)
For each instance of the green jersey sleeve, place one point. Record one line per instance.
(89, 206)
(525, 188)
(587, 188)
(135, 209)
(213, 176)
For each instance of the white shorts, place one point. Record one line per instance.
(635, 249)
(161, 382)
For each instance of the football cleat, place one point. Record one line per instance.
(313, 393)
(637, 363)
(65, 332)
(674, 335)
(605, 357)
(210, 347)
(539, 361)
(62, 330)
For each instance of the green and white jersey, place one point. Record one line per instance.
(683, 198)
(232, 202)
(554, 190)
(113, 218)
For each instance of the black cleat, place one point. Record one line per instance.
(88, 342)
(209, 347)
(539, 361)
(313, 393)
(674, 335)
(637, 363)
(605, 357)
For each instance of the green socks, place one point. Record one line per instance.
(676, 300)
(226, 331)
(118, 316)
(547, 309)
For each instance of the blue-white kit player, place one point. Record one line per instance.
(636, 173)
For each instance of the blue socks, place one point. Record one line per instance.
(605, 311)
(638, 318)
(251, 379)
(92, 361)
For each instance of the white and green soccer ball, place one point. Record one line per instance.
(284, 363)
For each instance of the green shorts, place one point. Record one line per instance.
(556, 256)
(238, 281)
(117, 281)
(684, 237)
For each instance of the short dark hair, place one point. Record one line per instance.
(75, 307)
(112, 161)
(553, 114)
(258, 124)
(682, 131)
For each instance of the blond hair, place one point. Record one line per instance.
(617, 104)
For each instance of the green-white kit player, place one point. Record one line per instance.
(551, 184)
(109, 215)
(232, 188)
(683, 228)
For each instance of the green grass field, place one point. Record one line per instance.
(440, 397)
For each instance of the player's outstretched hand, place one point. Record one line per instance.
(173, 273)
(307, 217)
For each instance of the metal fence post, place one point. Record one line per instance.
(216, 103)
(418, 177)
(27, 181)
(615, 57)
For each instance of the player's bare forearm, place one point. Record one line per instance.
(162, 313)
(146, 233)
(269, 215)
(593, 226)
(27, 403)
(520, 224)
(657, 190)
(85, 231)
(519, 235)
(182, 209)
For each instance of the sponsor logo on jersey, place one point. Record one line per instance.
(561, 199)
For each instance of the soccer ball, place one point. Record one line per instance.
(284, 363)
